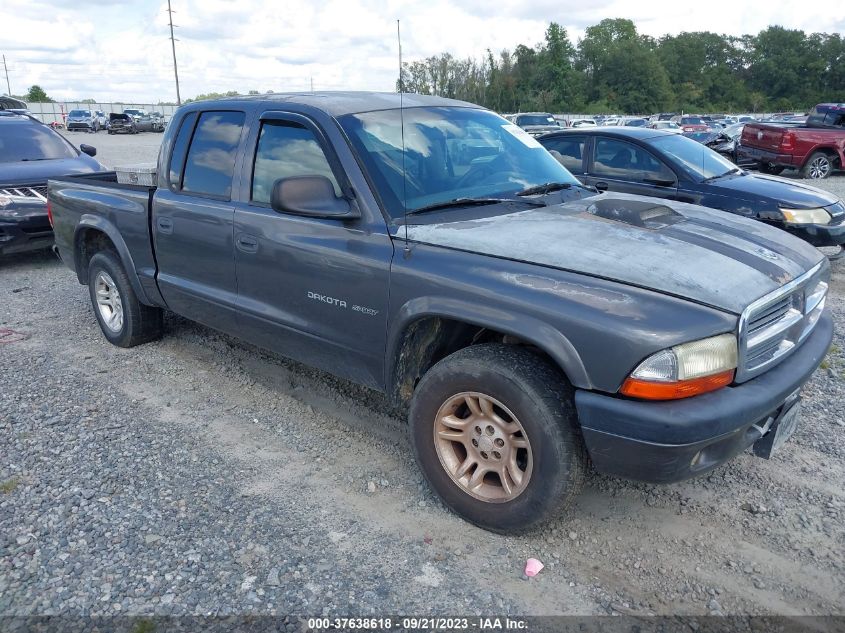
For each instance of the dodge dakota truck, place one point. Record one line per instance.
(430, 249)
(816, 148)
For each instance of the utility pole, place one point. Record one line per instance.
(173, 45)
(8, 87)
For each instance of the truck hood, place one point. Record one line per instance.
(707, 256)
(790, 194)
(39, 171)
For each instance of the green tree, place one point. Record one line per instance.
(36, 94)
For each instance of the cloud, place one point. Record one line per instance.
(121, 50)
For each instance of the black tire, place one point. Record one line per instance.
(818, 167)
(538, 395)
(141, 323)
(768, 168)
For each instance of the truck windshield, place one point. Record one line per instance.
(448, 153)
(32, 141)
(700, 161)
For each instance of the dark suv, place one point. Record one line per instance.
(30, 153)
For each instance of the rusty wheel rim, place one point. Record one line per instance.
(483, 447)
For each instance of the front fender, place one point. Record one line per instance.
(522, 326)
(95, 222)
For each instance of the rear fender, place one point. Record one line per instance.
(98, 223)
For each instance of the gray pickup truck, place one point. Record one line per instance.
(436, 252)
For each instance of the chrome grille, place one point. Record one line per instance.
(28, 191)
(773, 326)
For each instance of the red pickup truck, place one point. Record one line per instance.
(815, 149)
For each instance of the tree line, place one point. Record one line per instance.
(614, 69)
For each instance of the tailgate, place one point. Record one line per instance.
(763, 136)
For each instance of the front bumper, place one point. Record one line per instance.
(819, 234)
(80, 125)
(18, 237)
(663, 442)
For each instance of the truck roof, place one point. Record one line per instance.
(337, 103)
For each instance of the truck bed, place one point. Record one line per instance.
(97, 202)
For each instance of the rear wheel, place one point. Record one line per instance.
(818, 166)
(124, 320)
(495, 433)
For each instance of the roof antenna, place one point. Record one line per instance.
(402, 127)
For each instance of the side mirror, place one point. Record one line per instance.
(311, 196)
(87, 149)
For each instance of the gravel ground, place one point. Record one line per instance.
(198, 474)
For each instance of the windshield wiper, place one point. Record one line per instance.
(464, 202)
(24, 160)
(547, 187)
(735, 170)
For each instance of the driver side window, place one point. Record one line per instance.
(626, 161)
(287, 149)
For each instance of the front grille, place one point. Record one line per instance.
(773, 326)
(25, 191)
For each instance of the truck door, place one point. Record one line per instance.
(314, 289)
(193, 219)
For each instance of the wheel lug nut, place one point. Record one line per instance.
(475, 443)
(484, 455)
(499, 442)
(478, 430)
(497, 455)
(490, 430)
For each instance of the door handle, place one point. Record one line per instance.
(601, 185)
(247, 243)
(165, 225)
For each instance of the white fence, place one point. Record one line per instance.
(57, 111)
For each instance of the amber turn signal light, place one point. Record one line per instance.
(652, 390)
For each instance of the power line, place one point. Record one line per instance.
(173, 46)
(8, 87)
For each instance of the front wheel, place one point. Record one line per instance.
(124, 320)
(817, 167)
(495, 433)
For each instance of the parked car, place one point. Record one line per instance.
(536, 123)
(102, 119)
(525, 320)
(613, 120)
(135, 113)
(583, 123)
(636, 122)
(816, 149)
(670, 166)
(691, 123)
(121, 124)
(30, 153)
(82, 120)
(148, 123)
(664, 125)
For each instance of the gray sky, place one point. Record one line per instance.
(121, 51)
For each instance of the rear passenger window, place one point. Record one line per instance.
(287, 149)
(180, 147)
(211, 157)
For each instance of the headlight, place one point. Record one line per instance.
(806, 216)
(684, 370)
